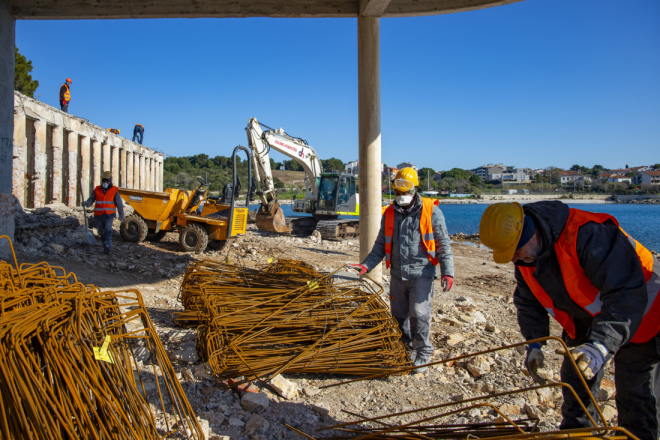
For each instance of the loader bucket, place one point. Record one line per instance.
(272, 220)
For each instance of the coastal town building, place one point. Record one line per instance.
(647, 178)
(518, 176)
(407, 165)
(573, 177)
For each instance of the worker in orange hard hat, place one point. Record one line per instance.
(113, 130)
(138, 133)
(108, 204)
(414, 241)
(602, 286)
(65, 95)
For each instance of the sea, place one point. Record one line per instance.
(642, 222)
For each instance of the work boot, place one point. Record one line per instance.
(106, 249)
(420, 361)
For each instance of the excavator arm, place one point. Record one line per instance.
(270, 216)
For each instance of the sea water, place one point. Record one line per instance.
(642, 222)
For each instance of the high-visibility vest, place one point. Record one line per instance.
(105, 203)
(425, 226)
(581, 290)
(67, 94)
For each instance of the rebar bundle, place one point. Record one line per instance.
(287, 317)
(80, 363)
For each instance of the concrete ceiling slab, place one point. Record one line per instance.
(121, 9)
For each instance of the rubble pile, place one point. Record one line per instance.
(78, 363)
(287, 317)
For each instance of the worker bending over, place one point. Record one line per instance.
(413, 239)
(65, 96)
(108, 202)
(138, 133)
(113, 130)
(602, 286)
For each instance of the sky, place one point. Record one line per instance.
(533, 84)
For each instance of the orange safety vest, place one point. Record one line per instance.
(105, 203)
(579, 287)
(425, 226)
(67, 94)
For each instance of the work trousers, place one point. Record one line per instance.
(104, 227)
(138, 133)
(411, 303)
(637, 381)
(64, 107)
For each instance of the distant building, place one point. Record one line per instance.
(619, 178)
(647, 178)
(438, 176)
(571, 177)
(354, 167)
(508, 192)
(518, 176)
(390, 172)
(407, 165)
(485, 172)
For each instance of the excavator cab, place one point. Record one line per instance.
(337, 195)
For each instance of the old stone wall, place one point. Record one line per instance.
(55, 152)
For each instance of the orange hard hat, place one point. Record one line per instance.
(69, 80)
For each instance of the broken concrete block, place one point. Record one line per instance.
(545, 373)
(455, 338)
(609, 412)
(233, 421)
(311, 391)
(256, 425)
(202, 371)
(284, 388)
(509, 409)
(451, 321)
(490, 328)
(478, 366)
(187, 353)
(532, 411)
(57, 248)
(607, 390)
(323, 412)
(255, 402)
(34, 243)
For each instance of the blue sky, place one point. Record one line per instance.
(533, 84)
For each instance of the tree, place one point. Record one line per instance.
(332, 164)
(656, 166)
(553, 174)
(476, 180)
(23, 81)
(456, 173)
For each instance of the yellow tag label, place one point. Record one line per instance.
(227, 260)
(102, 354)
(312, 284)
(270, 260)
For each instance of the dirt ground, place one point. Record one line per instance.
(477, 314)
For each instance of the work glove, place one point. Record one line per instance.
(360, 267)
(534, 361)
(589, 357)
(447, 283)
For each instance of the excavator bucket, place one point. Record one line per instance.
(272, 220)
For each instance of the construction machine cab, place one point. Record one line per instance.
(336, 195)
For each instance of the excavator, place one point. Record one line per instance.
(327, 195)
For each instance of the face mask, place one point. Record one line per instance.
(404, 200)
(105, 185)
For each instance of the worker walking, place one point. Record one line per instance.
(413, 239)
(602, 286)
(65, 96)
(108, 203)
(138, 133)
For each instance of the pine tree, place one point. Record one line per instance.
(23, 81)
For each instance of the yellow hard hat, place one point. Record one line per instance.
(405, 180)
(500, 229)
(106, 175)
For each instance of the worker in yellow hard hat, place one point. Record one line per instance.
(602, 286)
(108, 203)
(414, 241)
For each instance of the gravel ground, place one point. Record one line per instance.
(477, 314)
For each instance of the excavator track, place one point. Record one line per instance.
(336, 229)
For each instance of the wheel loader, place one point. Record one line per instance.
(199, 219)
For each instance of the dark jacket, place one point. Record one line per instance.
(62, 92)
(608, 260)
(410, 258)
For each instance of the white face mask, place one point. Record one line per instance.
(404, 200)
(105, 185)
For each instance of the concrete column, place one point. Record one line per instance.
(136, 171)
(19, 158)
(97, 166)
(8, 205)
(107, 160)
(147, 174)
(72, 184)
(85, 171)
(129, 169)
(58, 146)
(122, 168)
(369, 121)
(142, 176)
(160, 173)
(115, 165)
(40, 158)
(152, 174)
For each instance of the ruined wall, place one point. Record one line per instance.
(54, 151)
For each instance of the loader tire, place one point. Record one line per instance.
(217, 245)
(193, 238)
(134, 229)
(155, 236)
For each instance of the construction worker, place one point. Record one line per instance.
(138, 133)
(413, 239)
(113, 130)
(108, 202)
(65, 95)
(602, 286)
